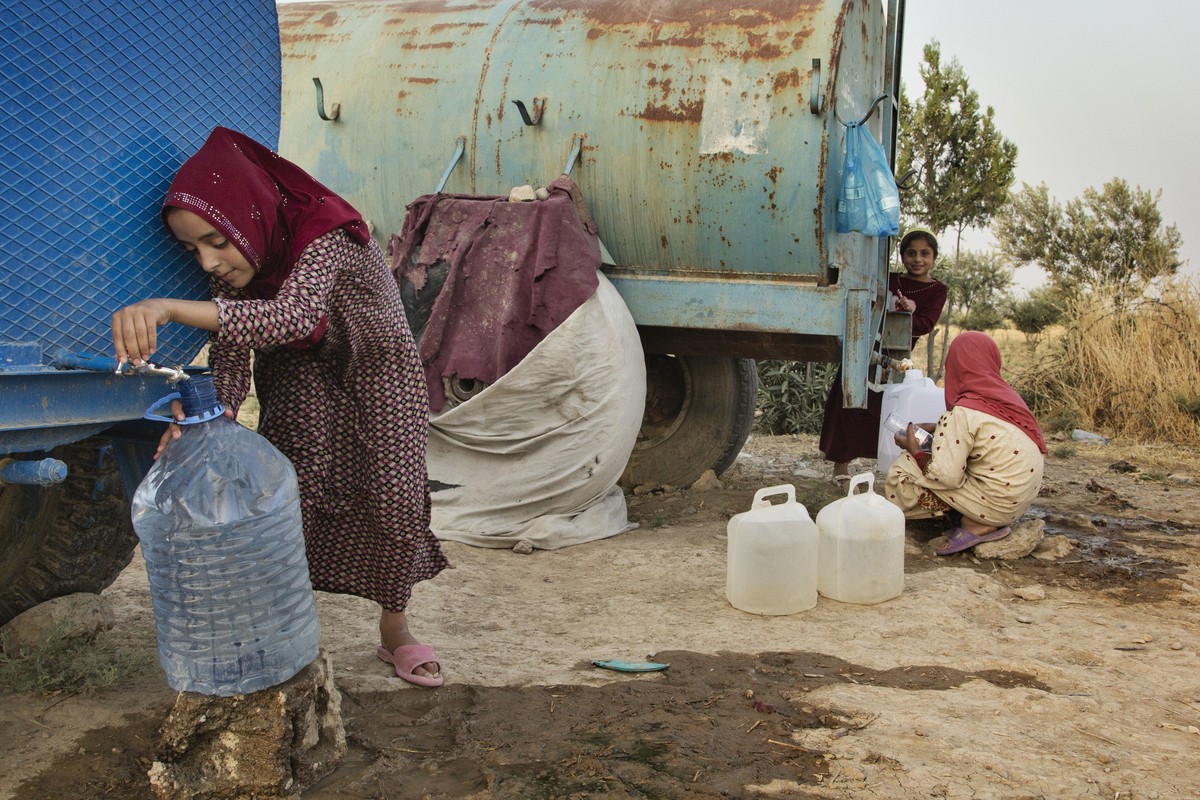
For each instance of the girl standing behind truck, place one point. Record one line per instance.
(298, 282)
(850, 433)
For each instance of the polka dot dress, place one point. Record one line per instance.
(351, 412)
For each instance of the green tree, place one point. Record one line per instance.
(1035, 312)
(963, 166)
(1112, 238)
(979, 287)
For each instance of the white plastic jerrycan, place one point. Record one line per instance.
(771, 565)
(861, 551)
(917, 399)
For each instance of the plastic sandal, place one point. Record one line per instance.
(408, 657)
(961, 539)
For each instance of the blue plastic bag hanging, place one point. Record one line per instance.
(869, 201)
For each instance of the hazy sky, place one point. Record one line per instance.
(1088, 90)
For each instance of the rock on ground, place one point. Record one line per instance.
(268, 745)
(1023, 540)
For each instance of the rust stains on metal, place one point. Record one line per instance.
(672, 41)
(595, 33)
(434, 7)
(686, 111)
(454, 27)
(415, 79)
(783, 80)
(664, 86)
(477, 104)
(426, 45)
(773, 176)
(760, 48)
(746, 14)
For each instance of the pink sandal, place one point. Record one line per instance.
(408, 657)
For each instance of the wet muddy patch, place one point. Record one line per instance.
(708, 726)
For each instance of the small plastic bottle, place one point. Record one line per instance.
(895, 424)
(218, 517)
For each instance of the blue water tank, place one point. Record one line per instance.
(102, 103)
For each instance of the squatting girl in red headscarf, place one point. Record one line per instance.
(985, 466)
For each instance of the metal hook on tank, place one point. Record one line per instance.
(576, 149)
(870, 111)
(334, 110)
(460, 146)
(814, 92)
(539, 106)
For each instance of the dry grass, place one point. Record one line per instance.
(61, 664)
(1132, 375)
(1127, 372)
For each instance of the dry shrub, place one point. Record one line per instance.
(1123, 370)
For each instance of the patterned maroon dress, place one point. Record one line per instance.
(850, 433)
(351, 412)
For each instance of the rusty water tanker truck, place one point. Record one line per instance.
(706, 138)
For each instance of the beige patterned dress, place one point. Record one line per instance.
(984, 467)
(350, 412)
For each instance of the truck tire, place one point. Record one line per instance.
(699, 411)
(75, 536)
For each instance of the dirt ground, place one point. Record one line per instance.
(959, 688)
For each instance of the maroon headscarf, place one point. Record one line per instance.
(973, 381)
(267, 206)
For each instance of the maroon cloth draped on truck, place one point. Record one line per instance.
(515, 271)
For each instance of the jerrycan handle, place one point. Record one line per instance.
(858, 480)
(760, 496)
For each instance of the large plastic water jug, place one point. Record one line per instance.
(218, 516)
(916, 399)
(771, 565)
(861, 546)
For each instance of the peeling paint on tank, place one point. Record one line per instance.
(437, 7)
(439, 27)
(784, 80)
(764, 13)
(426, 45)
(684, 112)
(732, 121)
(649, 79)
(687, 42)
